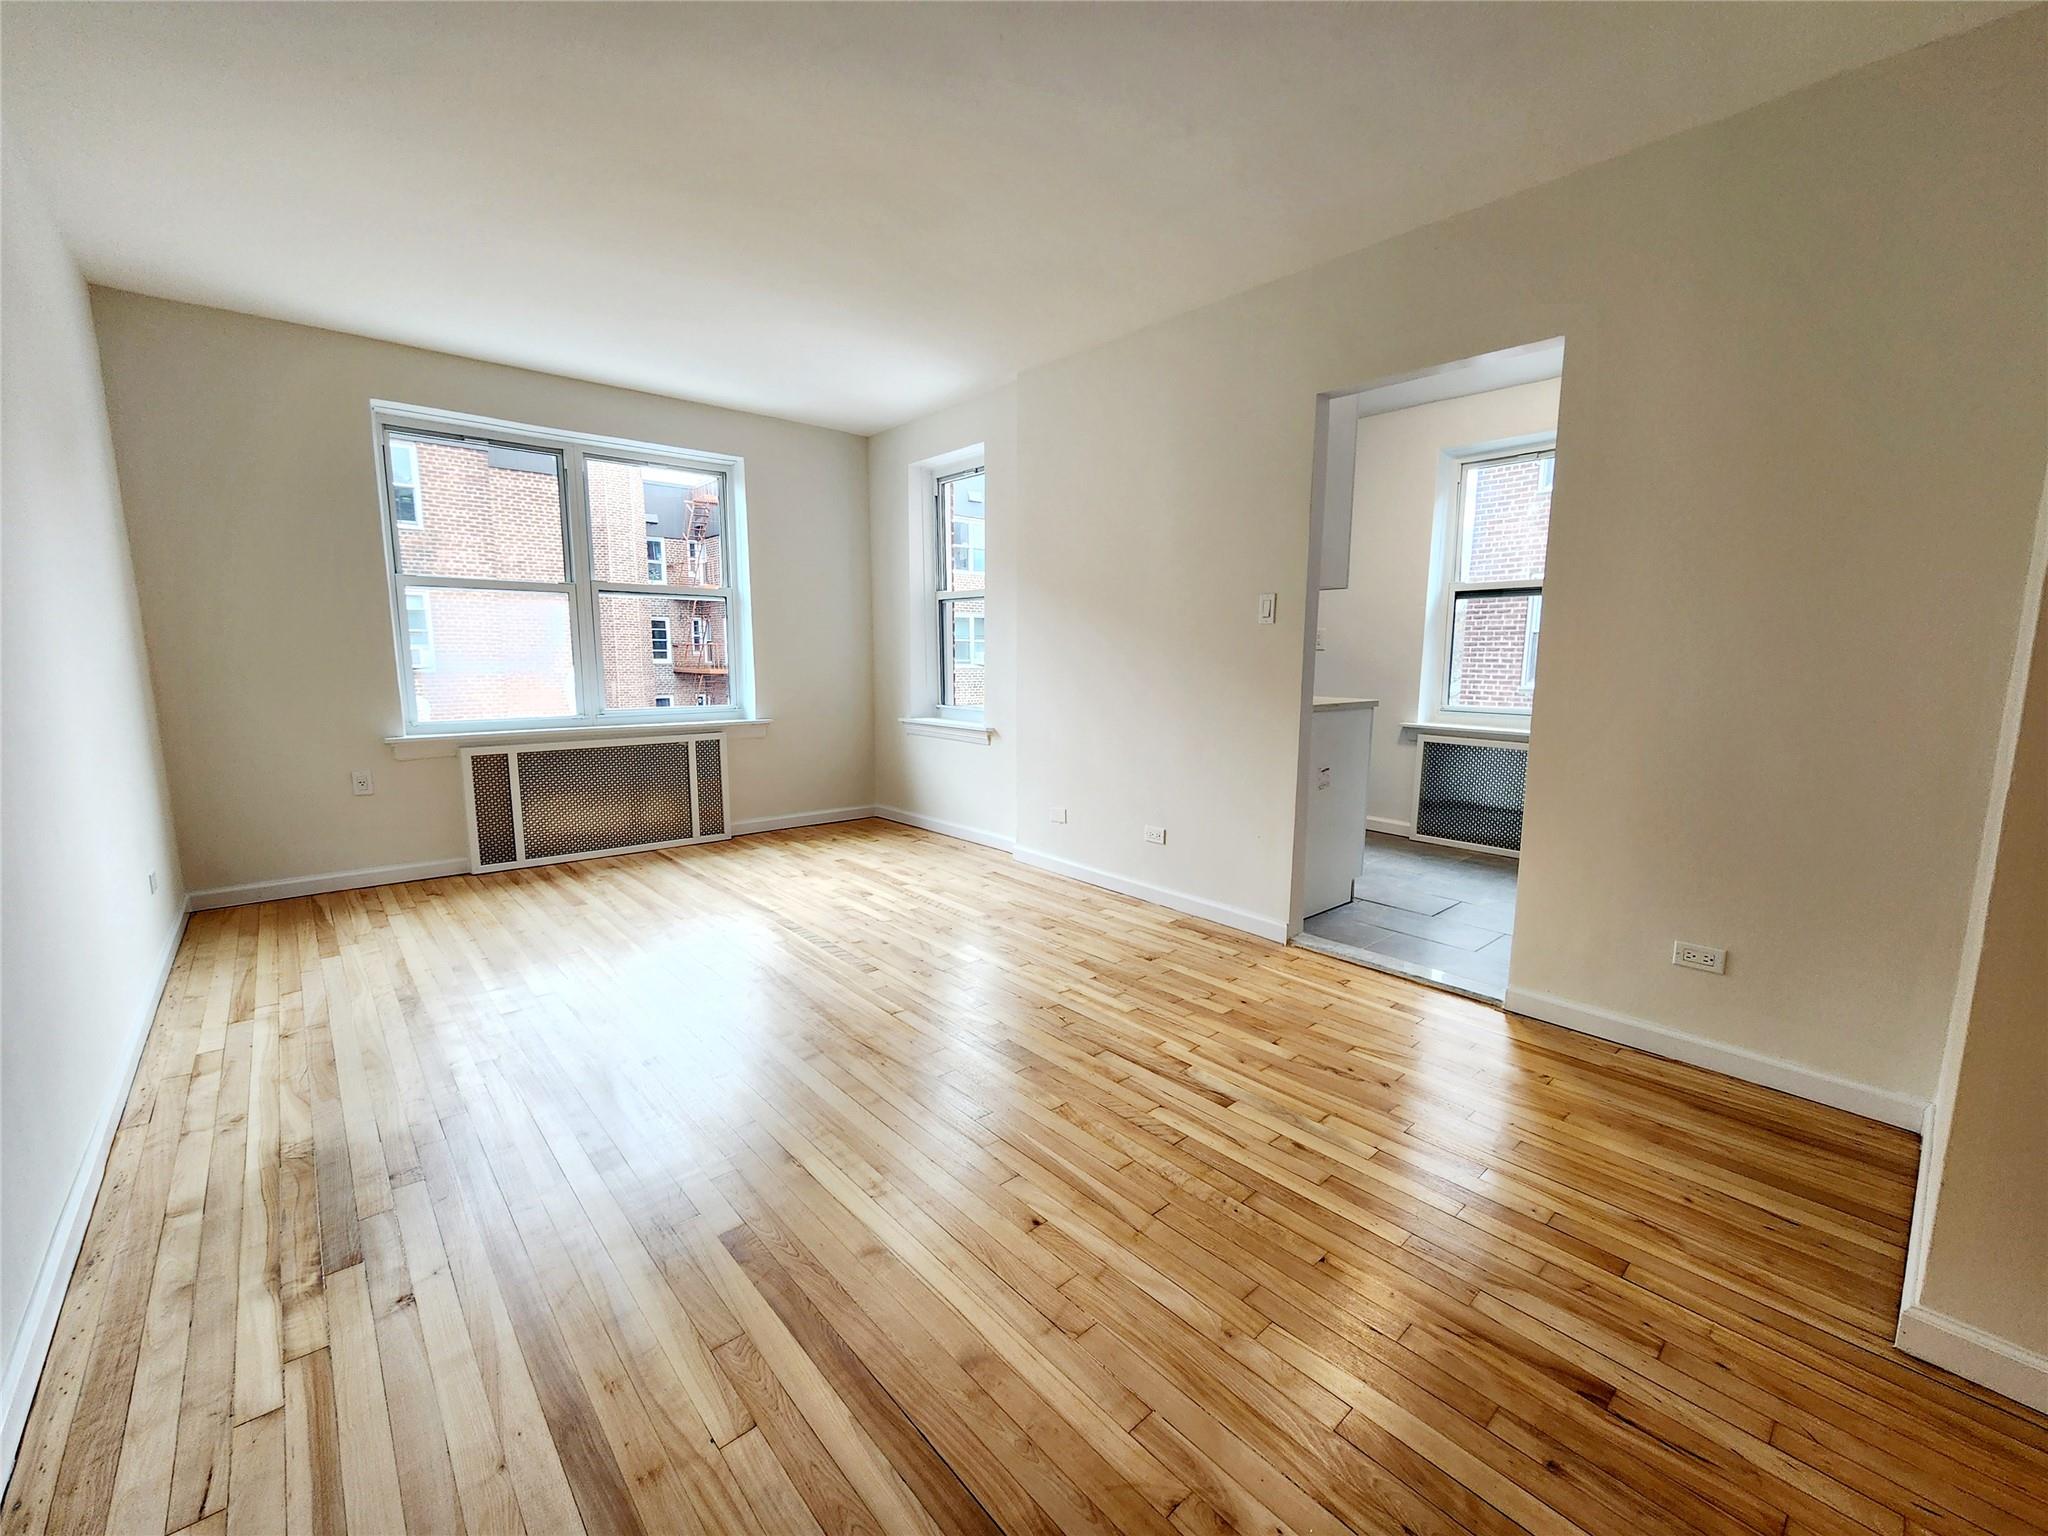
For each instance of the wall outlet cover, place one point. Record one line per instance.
(1699, 957)
(1155, 835)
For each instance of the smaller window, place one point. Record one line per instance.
(405, 483)
(697, 631)
(667, 701)
(419, 631)
(657, 561)
(1529, 639)
(1546, 474)
(703, 698)
(659, 638)
(970, 639)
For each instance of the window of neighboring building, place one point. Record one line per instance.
(542, 592)
(960, 513)
(1494, 594)
(405, 483)
(419, 631)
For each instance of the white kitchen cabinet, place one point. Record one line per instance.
(1340, 767)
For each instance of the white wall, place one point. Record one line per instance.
(84, 817)
(1373, 629)
(246, 456)
(1805, 412)
(1977, 1280)
(953, 785)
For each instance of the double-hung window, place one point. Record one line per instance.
(1494, 601)
(540, 593)
(959, 506)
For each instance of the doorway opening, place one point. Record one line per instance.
(1427, 567)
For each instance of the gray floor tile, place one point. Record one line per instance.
(1390, 891)
(1438, 930)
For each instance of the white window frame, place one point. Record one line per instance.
(938, 622)
(657, 562)
(660, 639)
(419, 511)
(1453, 535)
(666, 700)
(583, 589)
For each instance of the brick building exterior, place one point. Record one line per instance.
(1505, 533)
(462, 510)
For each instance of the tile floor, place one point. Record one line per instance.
(1440, 915)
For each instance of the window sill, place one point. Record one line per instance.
(430, 745)
(1477, 732)
(974, 731)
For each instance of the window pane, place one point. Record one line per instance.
(635, 507)
(963, 641)
(963, 527)
(1492, 643)
(479, 511)
(662, 647)
(491, 655)
(1506, 523)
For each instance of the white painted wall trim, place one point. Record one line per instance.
(973, 732)
(317, 885)
(31, 1350)
(1195, 906)
(994, 840)
(1970, 1352)
(1900, 1109)
(1393, 826)
(802, 819)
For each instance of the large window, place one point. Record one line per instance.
(961, 607)
(1495, 595)
(540, 591)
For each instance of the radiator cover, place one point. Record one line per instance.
(548, 802)
(1469, 793)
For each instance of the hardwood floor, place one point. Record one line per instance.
(853, 1179)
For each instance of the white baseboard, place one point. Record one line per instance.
(802, 819)
(1874, 1103)
(994, 840)
(1394, 826)
(1982, 1357)
(31, 1349)
(1195, 906)
(318, 885)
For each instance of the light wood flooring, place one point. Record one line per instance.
(852, 1179)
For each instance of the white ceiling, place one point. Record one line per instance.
(843, 213)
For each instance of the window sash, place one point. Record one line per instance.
(571, 450)
(939, 616)
(1456, 588)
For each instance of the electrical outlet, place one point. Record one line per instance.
(1269, 607)
(1155, 835)
(1699, 957)
(360, 783)
(1059, 815)
(152, 882)
(1322, 638)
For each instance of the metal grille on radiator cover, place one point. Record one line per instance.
(490, 777)
(1472, 793)
(710, 789)
(582, 799)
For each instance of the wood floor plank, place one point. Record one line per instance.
(850, 1179)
